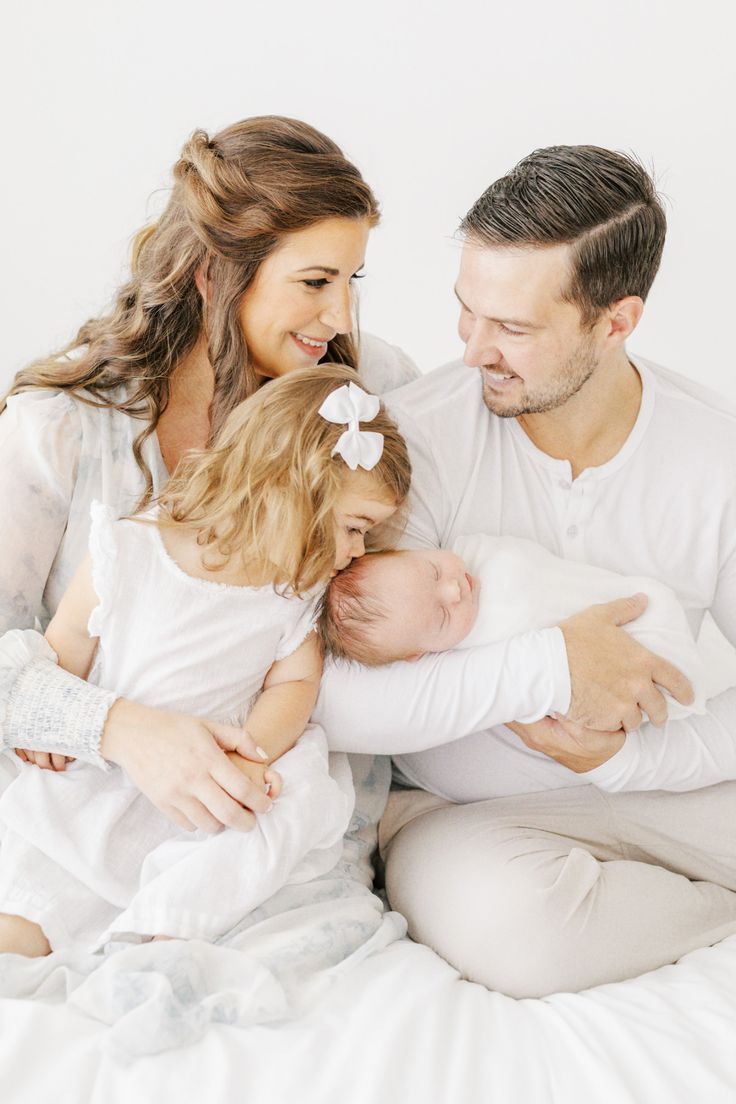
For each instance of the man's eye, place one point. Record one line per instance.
(316, 283)
(512, 333)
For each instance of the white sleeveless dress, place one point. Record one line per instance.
(84, 854)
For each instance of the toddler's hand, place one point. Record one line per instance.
(44, 759)
(266, 777)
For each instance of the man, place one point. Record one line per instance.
(512, 856)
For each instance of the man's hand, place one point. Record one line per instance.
(179, 763)
(614, 679)
(577, 748)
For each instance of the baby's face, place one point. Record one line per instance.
(432, 598)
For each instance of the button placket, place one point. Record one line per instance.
(574, 529)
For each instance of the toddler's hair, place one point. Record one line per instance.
(350, 615)
(267, 488)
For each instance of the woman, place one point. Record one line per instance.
(247, 275)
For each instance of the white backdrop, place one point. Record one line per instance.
(431, 101)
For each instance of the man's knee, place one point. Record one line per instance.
(506, 920)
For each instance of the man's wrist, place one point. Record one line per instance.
(560, 668)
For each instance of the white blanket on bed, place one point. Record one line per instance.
(271, 967)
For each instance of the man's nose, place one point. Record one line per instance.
(480, 348)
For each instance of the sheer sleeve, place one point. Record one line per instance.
(42, 707)
(384, 367)
(40, 443)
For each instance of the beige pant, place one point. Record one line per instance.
(564, 889)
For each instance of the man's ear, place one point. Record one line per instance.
(623, 318)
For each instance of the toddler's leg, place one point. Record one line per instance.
(21, 936)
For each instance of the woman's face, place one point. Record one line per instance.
(302, 295)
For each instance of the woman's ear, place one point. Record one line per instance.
(203, 282)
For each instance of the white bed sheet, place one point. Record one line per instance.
(402, 1027)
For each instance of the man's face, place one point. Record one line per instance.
(529, 344)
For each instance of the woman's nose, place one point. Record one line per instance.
(337, 313)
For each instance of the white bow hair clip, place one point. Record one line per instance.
(352, 405)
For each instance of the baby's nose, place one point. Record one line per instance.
(453, 591)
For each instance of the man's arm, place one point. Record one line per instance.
(686, 754)
(407, 707)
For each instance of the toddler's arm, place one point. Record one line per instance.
(67, 631)
(282, 711)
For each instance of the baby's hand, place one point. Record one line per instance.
(44, 759)
(266, 777)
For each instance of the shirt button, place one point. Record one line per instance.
(572, 531)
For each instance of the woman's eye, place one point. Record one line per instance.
(354, 531)
(316, 283)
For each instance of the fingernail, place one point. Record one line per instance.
(263, 754)
(267, 788)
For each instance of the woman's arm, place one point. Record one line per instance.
(177, 761)
(74, 647)
(40, 444)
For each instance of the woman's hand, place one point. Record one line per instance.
(44, 759)
(179, 763)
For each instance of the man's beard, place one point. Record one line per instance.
(555, 392)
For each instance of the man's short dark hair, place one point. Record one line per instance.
(602, 203)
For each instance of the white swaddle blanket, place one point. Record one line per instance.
(524, 586)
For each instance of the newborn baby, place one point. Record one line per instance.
(398, 605)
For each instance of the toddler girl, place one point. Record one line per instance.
(206, 604)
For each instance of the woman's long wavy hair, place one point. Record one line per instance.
(235, 196)
(267, 488)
